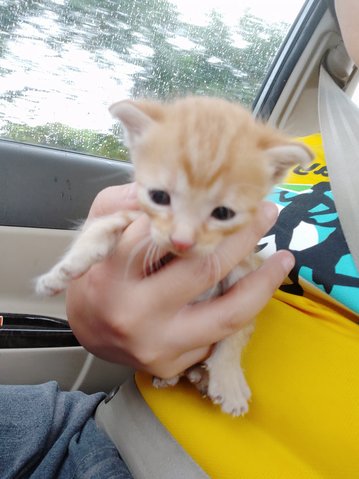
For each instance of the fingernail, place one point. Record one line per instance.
(131, 191)
(270, 211)
(287, 260)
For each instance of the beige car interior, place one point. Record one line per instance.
(26, 252)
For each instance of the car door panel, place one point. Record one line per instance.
(44, 193)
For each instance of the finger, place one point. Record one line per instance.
(168, 369)
(114, 198)
(206, 323)
(186, 278)
(135, 244)
(136, 253)
(133, 247)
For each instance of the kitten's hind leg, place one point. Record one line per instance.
(159, 383)
(227, 385)
(198, 375)
(95, 242)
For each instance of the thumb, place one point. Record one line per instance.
(211, 321)
(113, 199)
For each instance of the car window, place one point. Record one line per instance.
(63, 62)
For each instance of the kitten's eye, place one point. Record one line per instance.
(160, 197)
(223, 213)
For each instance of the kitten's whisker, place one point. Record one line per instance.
(217, 272)
(226, 258)
(147, 260)
(215, 261)
(141, 245)
(154, 258)
(158, 254)
(212, 263)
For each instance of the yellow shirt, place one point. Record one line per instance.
(302, 364)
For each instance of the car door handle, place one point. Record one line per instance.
(34, 331)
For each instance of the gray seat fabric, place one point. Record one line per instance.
(148, 449)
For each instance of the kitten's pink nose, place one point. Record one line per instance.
(181, 246)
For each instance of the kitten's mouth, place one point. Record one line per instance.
(162, 262)
(154, 267)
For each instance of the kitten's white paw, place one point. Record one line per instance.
(94, 243)
(72, 266)
(57, 279)
(49, 285)
(159, 383)
(230, 390)
(198, 375)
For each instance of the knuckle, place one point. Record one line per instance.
(273, 277)
(97, 208)
(149, 358)
(231, 322)
(157, 363)
(265, 218)
(208, 273)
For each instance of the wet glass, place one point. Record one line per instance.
(63, 62)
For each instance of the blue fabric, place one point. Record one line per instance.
(48, 433)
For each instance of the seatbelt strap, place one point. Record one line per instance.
(148, 449)
(339, 125)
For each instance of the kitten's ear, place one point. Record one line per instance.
(283, 157)
(136, 117)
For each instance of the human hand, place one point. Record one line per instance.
(147, 322)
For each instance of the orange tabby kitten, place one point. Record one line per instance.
(202, 166)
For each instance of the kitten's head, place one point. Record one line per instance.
(202, 166)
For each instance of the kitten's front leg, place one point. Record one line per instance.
(95, 242)
(227, 385)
